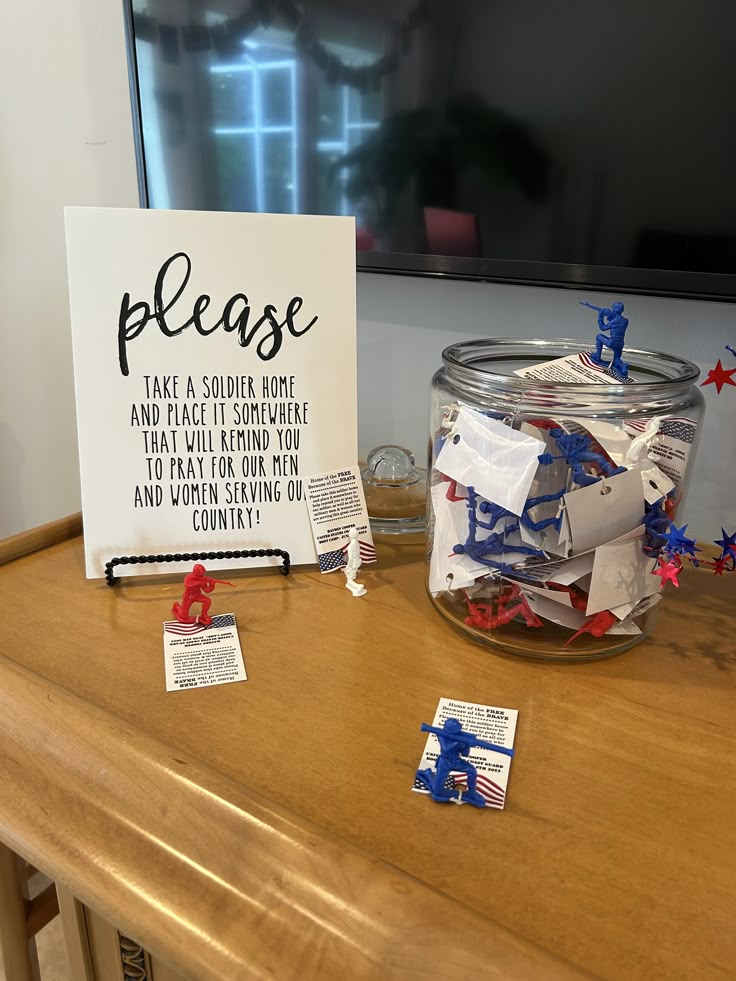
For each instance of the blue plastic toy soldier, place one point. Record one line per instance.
(455, 744)
(612, 324)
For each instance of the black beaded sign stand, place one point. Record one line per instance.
(247, 553)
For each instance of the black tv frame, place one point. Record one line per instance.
(679, 284)
(623, 279)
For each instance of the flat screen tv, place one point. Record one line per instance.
(572, 143)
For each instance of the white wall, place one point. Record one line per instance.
(67, 139)
(65, 117)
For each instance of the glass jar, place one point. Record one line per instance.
(549, 501)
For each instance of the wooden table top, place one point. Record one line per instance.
(268, 828)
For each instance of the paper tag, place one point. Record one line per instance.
(571, 618)
(548, 480)
(199, 656)
(496, 460)
(487, 722)
(511, 540)
(555, 595)
(547, 538)
(636, 609)
(562, 545)
(551, 609)
(447, 570)
(529, 537)
(621, 574)
(622, 448)
(578, 368)
(655, 483)
(336, 503)
(564, 572)
(624, 628)
(602, 512)
(613, 439)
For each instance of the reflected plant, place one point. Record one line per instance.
(433, 148)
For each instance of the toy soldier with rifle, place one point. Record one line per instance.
(612, 324)
(196, 584)
(455, 745)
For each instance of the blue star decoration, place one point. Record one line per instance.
(727, 543)
(678, 543)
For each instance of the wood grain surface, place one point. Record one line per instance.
(41, 537)
(268, 827)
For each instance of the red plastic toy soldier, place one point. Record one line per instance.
(597, 625)
(480, 614)
(196, 584)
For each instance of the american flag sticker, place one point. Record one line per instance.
(338, 559)
(608, 370)
(189, 629)
(676, 427)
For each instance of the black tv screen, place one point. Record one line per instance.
(573, 143)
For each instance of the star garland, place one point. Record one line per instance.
(720, 376)
(678, 547)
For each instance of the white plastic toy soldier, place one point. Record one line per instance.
(351, 569)
(638, 451)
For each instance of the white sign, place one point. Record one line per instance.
(215, 367)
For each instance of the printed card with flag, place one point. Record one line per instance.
(672, 446)
(579, 368)
(336, 503)
(488, 723)
(198, 655)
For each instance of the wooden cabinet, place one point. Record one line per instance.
(267, 828)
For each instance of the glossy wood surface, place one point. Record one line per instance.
(41, 537)
(267, 827)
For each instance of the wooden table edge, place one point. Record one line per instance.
(149, 838)
(35, 539)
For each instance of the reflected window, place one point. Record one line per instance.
(255, 113)
(344, 117)
(260, 129)
(252, 126)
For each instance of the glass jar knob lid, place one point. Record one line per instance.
(391, 466)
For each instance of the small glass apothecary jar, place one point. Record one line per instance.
(549, 500)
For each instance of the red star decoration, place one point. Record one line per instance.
(668, 571)
(718, 566)
(720, 376)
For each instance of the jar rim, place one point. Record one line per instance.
(464, 357)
